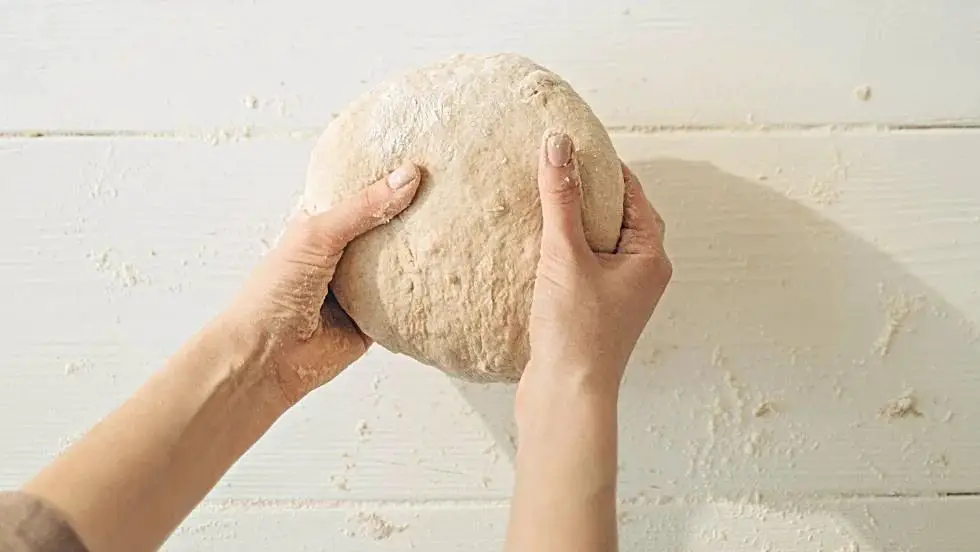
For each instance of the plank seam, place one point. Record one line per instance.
(228, 134)
(437, 504)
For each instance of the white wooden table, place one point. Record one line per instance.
(810, 382)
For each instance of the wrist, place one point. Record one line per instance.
(568, 431)
(544, 398)
(548, 379)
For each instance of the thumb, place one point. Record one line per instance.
(373, 206)
(316, 242)
(561, 193)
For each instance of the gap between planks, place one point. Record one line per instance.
(248, 132)
(241, 504)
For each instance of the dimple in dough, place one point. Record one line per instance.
(449, 281)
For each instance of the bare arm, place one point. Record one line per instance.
(565, 497)
(139, 472)
(128, 483)
(588, 312)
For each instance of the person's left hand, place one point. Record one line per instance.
(306, 339)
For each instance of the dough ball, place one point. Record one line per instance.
(449, 281)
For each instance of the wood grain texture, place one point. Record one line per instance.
(826, 274)
(808, 384)
(856, 525)
(113, 65)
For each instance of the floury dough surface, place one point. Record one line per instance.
(449, 281)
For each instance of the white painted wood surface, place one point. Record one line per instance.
(105, 65)
(865, 525)
(827, 253)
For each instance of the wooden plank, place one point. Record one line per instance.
(865, 525)
(839, 284)
(85, 65)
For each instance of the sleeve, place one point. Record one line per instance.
(27, 524)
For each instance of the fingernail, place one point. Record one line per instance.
(559, 150)
(402, 176)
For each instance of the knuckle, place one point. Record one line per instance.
(563, 191)
(658, 266)
(660, 226)
(368, 200)
(666, 269)
(638, 240)
(377, 204)
(629, 177)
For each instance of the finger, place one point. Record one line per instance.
(643, 228)
(561, 193)
(643, 211)
(373, 206)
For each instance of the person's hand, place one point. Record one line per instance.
(588, 309)
(305, 338)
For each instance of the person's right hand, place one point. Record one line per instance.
(588, 309)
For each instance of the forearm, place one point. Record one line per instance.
(139, 472)
(565, 497)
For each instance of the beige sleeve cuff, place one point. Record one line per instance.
(27, 524)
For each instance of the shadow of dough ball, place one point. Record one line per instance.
(449, 281)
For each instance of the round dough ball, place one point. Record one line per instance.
(449, 281)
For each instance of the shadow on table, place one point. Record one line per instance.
(785, 345)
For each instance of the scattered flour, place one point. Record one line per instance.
(863, 92)
(227, 135)
(717, 356)
(492, 451)
(280, 105)
(122, 273)
(401, 116)
(100, 189)
(371, 525)
(752, 445)
(937, 463)
(764, 409)
(823, 194)
(363, 430)
(74, 367)
(898, 308)
(624, 517)
(340, 483)
(901, 407)
(67, 441)
(209, 530)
